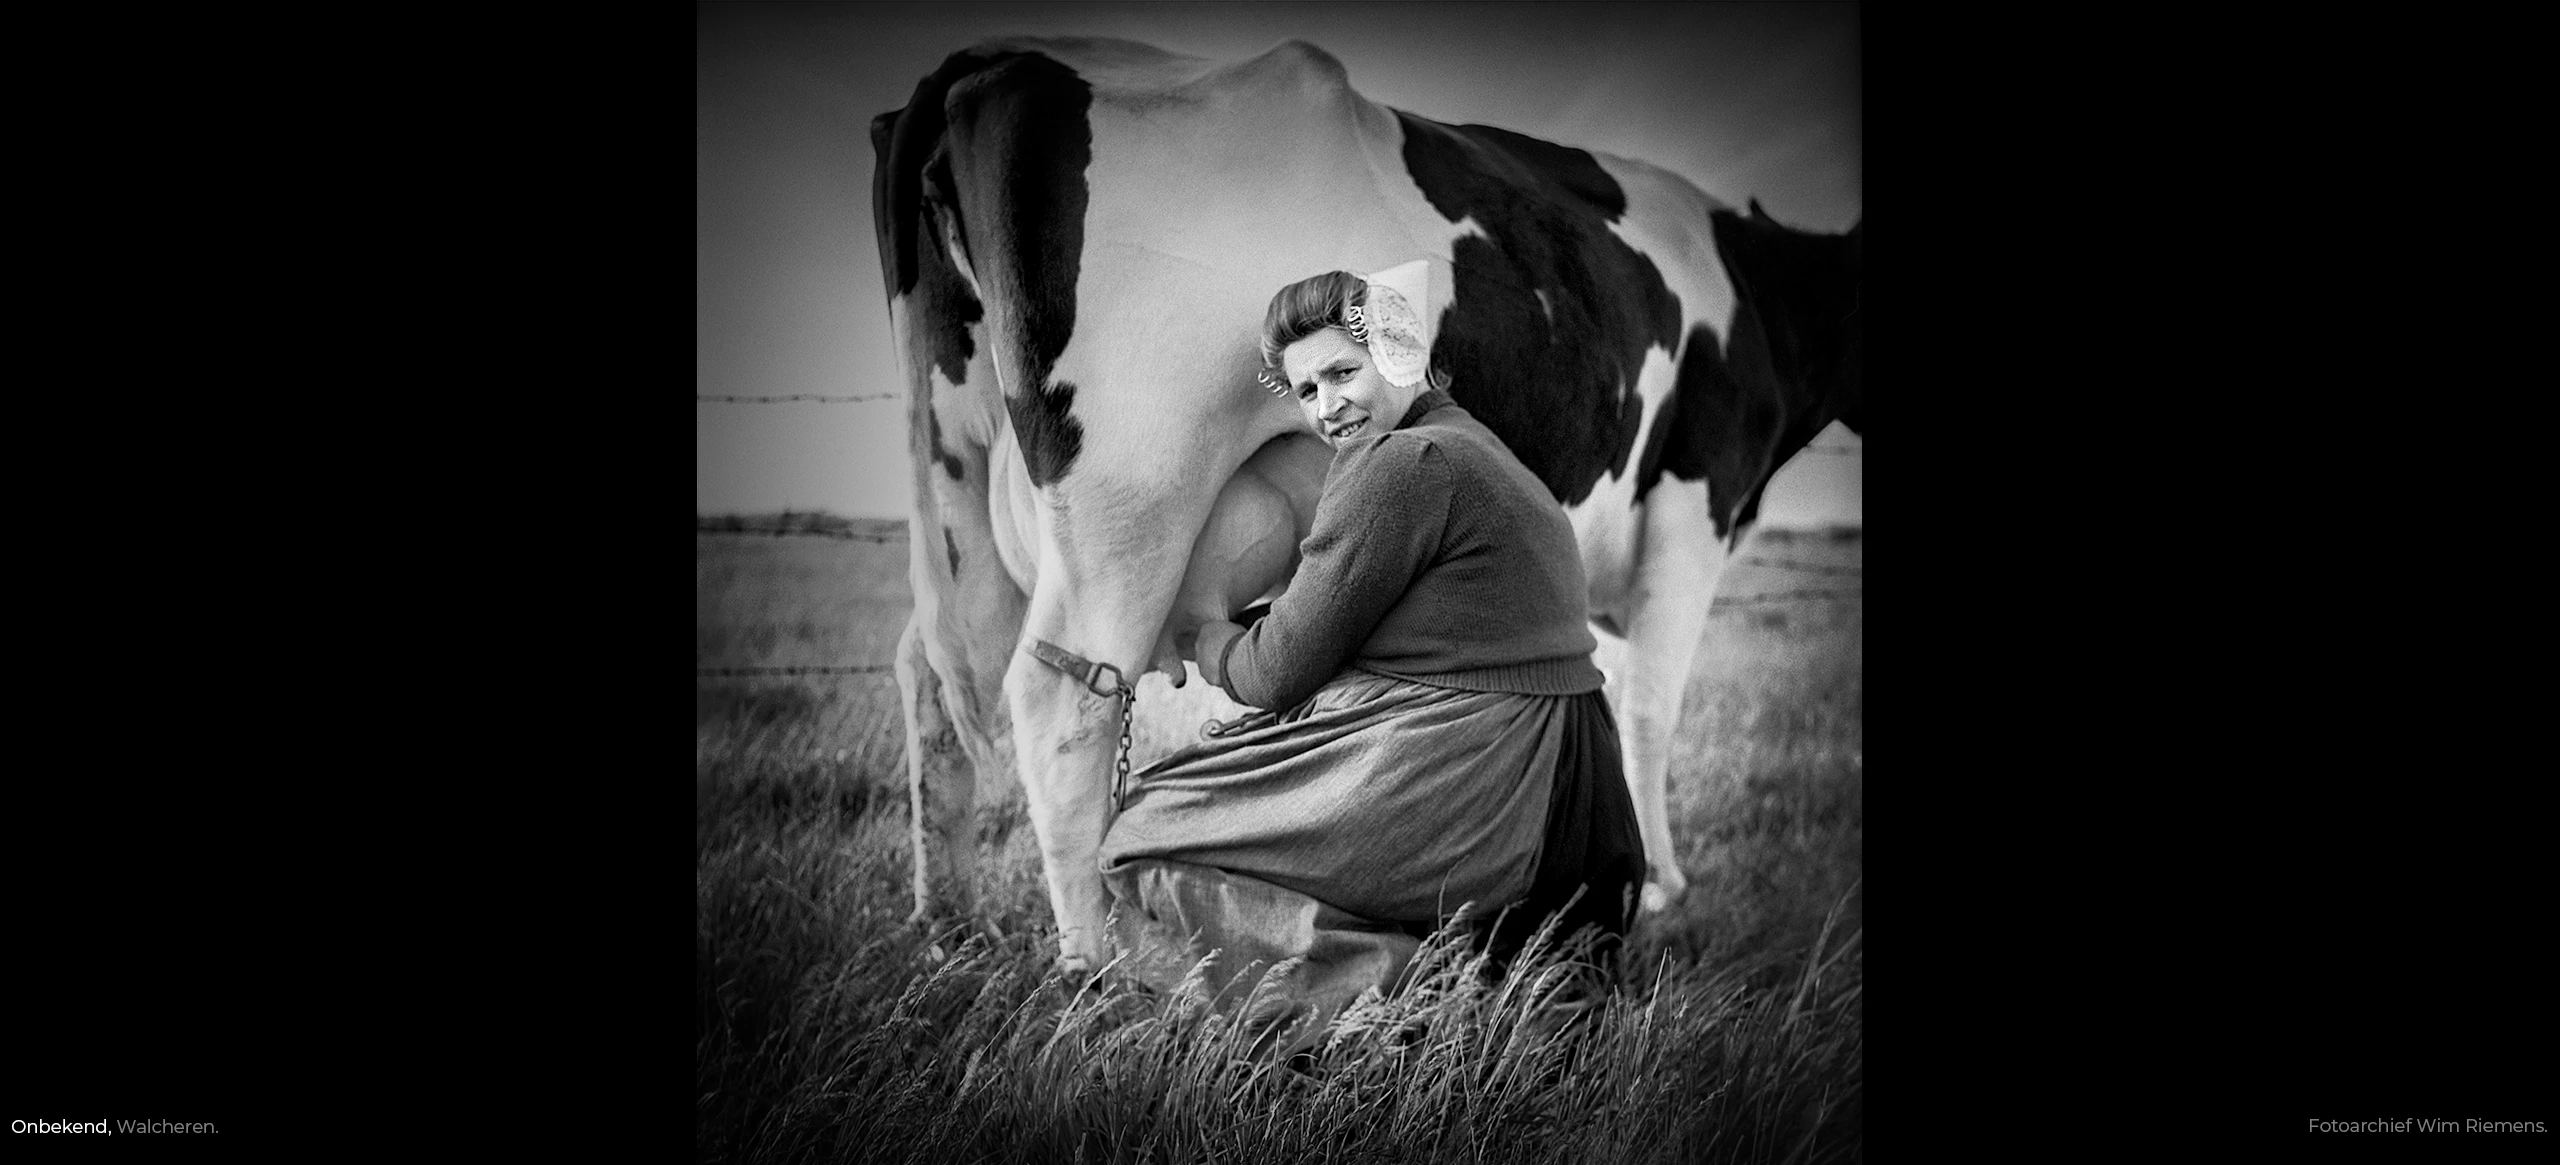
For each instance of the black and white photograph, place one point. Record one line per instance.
(1279, 582)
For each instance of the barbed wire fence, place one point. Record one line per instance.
(867, 669)
(816, 525)
(788, 398)
(1722, 602)
(862, 398)
(1791, 564)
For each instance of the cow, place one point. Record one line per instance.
(1078, 238)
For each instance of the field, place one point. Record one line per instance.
(828, 1029)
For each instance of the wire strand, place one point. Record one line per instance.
(731, 526)
(846, 670)
(1783, 596)
(1791, 564)
(882, 668)
(700, 398)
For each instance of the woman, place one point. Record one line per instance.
(1435, 732)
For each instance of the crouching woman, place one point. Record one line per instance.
(1434, 732)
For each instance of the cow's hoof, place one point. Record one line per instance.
(934, 919)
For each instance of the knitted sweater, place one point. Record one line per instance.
(1435, 556)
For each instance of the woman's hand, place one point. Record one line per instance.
(1208, 648)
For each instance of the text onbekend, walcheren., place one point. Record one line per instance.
(109, 1128)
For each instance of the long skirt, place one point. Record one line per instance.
(1339, 832)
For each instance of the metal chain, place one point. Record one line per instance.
(1120, 781)
(1089, 673)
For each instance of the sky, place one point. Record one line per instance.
(1745, 101)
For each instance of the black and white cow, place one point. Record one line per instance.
(1078, 238)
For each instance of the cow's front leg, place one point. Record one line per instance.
(1667, 616)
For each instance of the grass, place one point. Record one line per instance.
(828, 1029)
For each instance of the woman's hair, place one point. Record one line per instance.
(1309, 306)
(1313, 304)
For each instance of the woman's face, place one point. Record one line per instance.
(1341, 392)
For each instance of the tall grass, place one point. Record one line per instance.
(829, 1029)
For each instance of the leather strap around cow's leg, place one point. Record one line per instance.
(1089, 672)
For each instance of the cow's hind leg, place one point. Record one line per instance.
(1104, 601)
(941, 788)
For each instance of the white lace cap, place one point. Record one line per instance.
(1399, 335)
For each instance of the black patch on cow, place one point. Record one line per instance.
(1045, 426)
(1557, 381)
(884, 161)
(944, 308)
(1807, 289)
(942, 455)
(1015, 197)
(1018, 145)
(1720, 423)
(1630, 420)
(902, 141)
(1793, 364)
(951, 549)
(909, 185)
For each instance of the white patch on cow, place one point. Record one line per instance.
(970, 414)
(1606, 525)
(1666, 221)
(1013, 508)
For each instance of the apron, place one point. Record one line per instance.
(1337, 833)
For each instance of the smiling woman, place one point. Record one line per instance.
(1351, 350)
(1339, 387)
(1433, 731)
